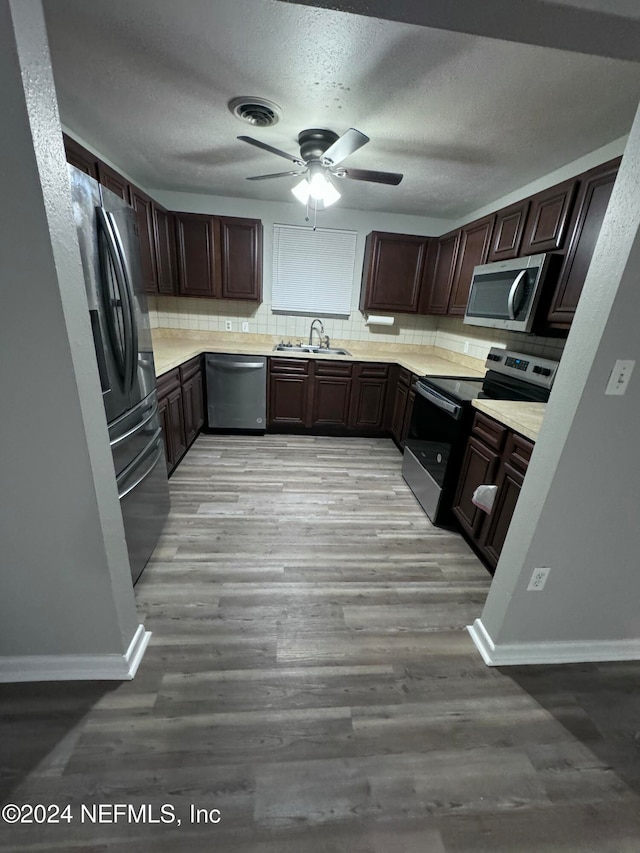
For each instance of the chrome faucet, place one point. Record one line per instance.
(323, 340)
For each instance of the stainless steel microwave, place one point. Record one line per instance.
(505, 294)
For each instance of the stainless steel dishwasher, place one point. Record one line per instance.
(236, 391)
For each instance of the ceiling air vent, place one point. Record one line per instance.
(256, 111)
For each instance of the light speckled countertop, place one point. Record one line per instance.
(525, 418)
(169, 351)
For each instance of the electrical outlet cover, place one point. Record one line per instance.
(538, 579)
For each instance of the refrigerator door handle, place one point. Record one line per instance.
(116, 254)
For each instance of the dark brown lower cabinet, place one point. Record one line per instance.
(338, 397)
(369, 398)
(402, 405)
(181, 408)
(495, 455)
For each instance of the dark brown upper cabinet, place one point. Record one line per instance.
(440, 268)
(548, 218)
(241, 258)
(165, 244)
(392, 272)
(113, 181)
(475, 240)
(79, 157)
(595, 191)
(198, 250)
(508, 231)
(143, 208)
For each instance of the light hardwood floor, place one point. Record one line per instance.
(309, 676)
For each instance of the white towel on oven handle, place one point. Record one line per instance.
(484, 496)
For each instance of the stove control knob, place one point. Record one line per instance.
(537, 369)
(545, 371)
(493, 357)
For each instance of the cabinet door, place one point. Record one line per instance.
(188, 394)
(113, 181)
(165, 242)
(479, 466)
(331, 396)
(508, 232)
(241, 258)
(177, 437)
(438, 289)
(198, 401)
(289, 400)
(163, 413)
(79, 157)
(509, 482)
(546, 226)
(408, 412)
(142, 205)
(595, 192)
(368, 397)
(198, 247)
(475, 240)
(399, 407)
(392, 272)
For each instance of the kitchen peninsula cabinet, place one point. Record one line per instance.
(181, 408)
(392, 272)
(495, 455)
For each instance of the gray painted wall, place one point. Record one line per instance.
(578, 511)
(66, 586)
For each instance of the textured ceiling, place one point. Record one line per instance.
(466, 119)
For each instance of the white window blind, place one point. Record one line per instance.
(312, 270)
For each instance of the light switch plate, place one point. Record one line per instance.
(620, 376)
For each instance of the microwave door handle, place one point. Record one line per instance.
(515, 289)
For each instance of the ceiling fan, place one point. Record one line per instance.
(321, 153)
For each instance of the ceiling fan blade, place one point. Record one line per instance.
(392, 178)
(275, 175)
(273, 150)
(349, 142)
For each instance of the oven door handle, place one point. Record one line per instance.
(438, 400)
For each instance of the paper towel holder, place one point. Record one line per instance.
(379, 320)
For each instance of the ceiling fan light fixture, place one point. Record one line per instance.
(302, 191)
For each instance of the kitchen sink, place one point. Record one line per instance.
(310, 348)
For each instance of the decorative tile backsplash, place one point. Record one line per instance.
(173, 312)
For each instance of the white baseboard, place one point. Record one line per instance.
(77, 667)
(518, 654)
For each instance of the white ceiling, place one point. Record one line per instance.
(467, 119)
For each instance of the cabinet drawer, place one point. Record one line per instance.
(292, 366)
(489, 431)
(168, 382)
(518, 451)
(404, 376)
(333, 368)
(373, 371)
(190, 367)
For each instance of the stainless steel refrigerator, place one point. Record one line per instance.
(120, 322)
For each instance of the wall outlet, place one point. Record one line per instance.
(245, 326)
(538, 579)
(227, 326)
(466, 346)
(620, 376)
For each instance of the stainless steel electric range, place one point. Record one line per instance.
(441, 422)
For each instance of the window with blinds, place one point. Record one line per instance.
(312, 270)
